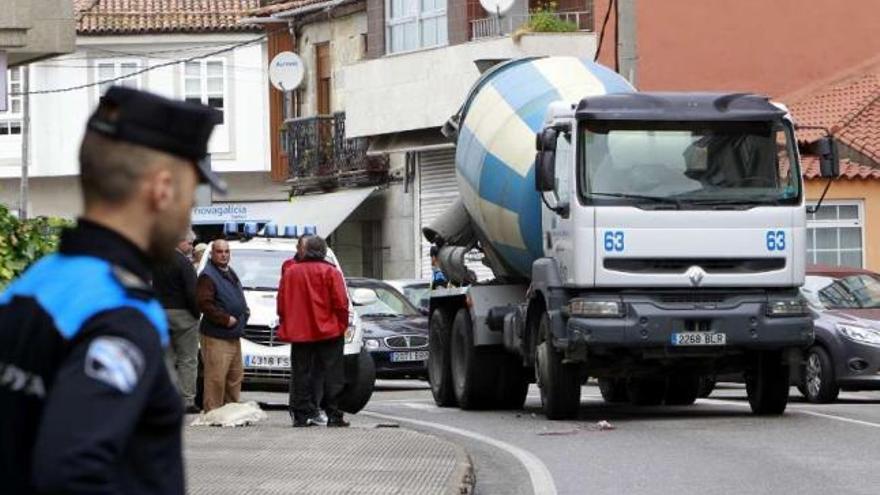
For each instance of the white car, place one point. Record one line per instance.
(257, 261)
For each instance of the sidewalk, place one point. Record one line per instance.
(367, 458)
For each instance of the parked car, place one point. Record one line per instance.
(846, 354)
(395, 331)
(266, 360)
(418, 292)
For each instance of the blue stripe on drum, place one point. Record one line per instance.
(471, 151)
(501, 185)
(519, 258)
(612, 81)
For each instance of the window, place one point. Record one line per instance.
(10, 120)
(414, 24)
(109, 70)
(204, 82)
(835, 235)
(563, 168)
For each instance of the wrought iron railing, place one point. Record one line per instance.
(321, 158)
(489, 27)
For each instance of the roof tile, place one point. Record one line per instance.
(849, 106)
(161, 16)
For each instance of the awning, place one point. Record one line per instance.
(419, 140)
(326, 211)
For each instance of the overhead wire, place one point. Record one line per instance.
(152, 67)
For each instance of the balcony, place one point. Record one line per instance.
(490, 27)
(320, 158)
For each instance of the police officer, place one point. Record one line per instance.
(86, 401)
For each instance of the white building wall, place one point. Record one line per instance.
(58, 119)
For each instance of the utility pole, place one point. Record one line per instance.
(25, 141)
(627, 48)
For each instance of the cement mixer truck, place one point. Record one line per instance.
(649, 240)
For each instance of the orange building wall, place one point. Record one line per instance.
(868, 191)
(767, 46)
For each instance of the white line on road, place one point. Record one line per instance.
(542, 480)
(800, 410)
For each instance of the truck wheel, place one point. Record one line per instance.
(439, 370)
(473, 376)
(767, 385)
(682, 389)
(513, 383)
(646, 391)
(820, 384)
(360, 377)
(613, 390)
(559, 383)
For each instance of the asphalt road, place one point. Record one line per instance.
(713, 447)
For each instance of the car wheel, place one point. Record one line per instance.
(559, 383)
(820, 384)
(439, 370)
(360, 378)
(767, 385)
(613, 390)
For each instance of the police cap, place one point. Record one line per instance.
(175, 127)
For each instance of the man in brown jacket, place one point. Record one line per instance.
(221, 300)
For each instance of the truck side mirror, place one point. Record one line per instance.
(545, 160)
(829, 164)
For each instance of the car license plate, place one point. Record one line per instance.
(397, 357)
(272, 362)
(699, 338)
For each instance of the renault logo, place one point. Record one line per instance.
(695, 274)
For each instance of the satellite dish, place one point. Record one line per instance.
(286, 71)
(499, 7)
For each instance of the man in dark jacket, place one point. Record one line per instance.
(175, 286)
(86, 402)
(221, 299)
(313, 313)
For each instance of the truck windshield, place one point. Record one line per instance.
(688, 164)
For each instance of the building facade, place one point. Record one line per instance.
(416, 64)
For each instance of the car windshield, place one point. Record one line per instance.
(417, 294)
(688, 164)
(258, 269)
(860, 291)
(388, 302)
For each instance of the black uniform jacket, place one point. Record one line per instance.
(86, 401)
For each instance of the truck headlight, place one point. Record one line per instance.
(795, 306)
(860, 334)
(595, 309)
(371, 344)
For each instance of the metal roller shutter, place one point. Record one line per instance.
(438, 189)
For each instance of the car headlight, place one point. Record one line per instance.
(860, 334)
(371, 344)
(596, 309)
(796, 306)
(349, 334)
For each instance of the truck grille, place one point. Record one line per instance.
(690, 298)
(262, 335)
(681, 265)
(406, 342)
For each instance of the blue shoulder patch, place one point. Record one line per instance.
(73, 289)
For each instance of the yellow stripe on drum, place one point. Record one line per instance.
(570, 77)
(489, 115)
(501, 225)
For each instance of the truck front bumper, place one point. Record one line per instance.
(745, 325)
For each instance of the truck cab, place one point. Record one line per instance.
(674, 239)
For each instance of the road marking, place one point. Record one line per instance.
(801, 410)
(542, 480)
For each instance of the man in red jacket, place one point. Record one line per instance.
(313, 315)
